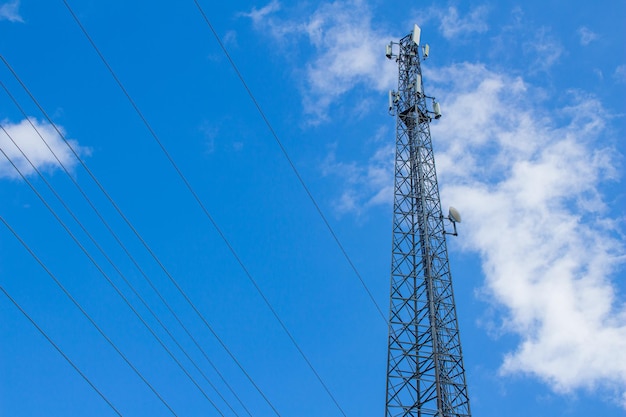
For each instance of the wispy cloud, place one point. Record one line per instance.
(365, 185)
(230, 39)
(527, 184)
(34, 148)
(265, 19)
(453, 25)
(260, 16)
(347, 50)
(586, 36)
(519, 38)
(527, 178)
(544, 48)
(10, 11)
(620, 74)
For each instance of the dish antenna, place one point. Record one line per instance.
(455, 217)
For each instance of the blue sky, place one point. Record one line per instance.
(530, 149)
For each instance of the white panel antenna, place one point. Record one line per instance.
(437, 110)
(418, 85)
(416, 34)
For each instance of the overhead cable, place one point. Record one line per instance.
(289, 160)
(203, 207)
(102, 251)
(128, 254)
(58, 349)
(108, 279)
(141, 239)
(82, 310)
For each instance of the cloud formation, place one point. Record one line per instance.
(620, 74)
(453, 26)
(366, 185)
(260, 17)
(527, 177)
(545, 50)
(586, 36)
(347, 50)
(529, 184)
(10, 11)
(31, 145)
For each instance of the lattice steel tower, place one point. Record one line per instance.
(425, 374)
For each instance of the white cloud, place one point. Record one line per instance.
(260, 16)
(586, 36)
(34, 148)
(10, 11)
(534, 214)
(266, 21)
(540, 48)
(544, 48)
(526, 177)
(620, 74)
(527, 183)
(347, 50)
(453, 26)
(364, 186)
(230, 39)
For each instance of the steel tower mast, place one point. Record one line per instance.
(425, 373)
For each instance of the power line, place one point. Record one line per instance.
(289, 160)
(135, 292)
(141, 239)
(82, 310)
(126, 251)
(108, 279)
(205, 210)
(58, 349)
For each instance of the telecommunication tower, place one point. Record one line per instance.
(425, 373)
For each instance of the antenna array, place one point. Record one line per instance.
(425, 373)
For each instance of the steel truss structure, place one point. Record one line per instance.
(425, 373)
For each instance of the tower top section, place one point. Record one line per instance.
(415, 36)
(409, 54)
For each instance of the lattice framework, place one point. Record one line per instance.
(425, 373)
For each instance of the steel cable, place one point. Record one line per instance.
(58, 349)
(102, 251)
(82, 310)
(140, 238)
(107, 278)
(126, 251)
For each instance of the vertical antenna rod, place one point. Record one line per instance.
(425, 373)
